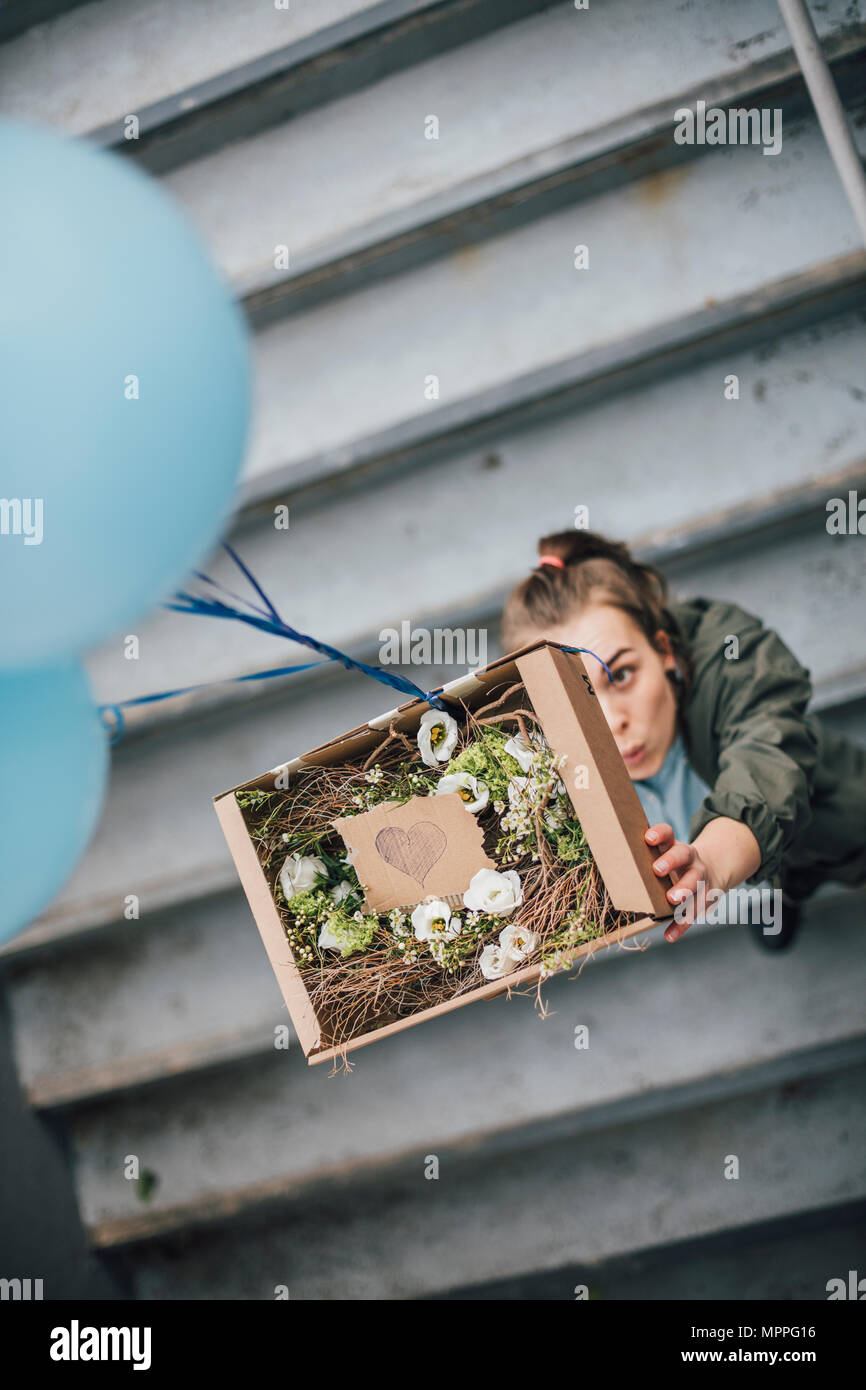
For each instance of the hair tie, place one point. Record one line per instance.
(550, 560)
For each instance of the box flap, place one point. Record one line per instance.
(607, 806)
(268, 921)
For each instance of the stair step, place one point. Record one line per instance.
(382, 344)
(225, 1143)
(172, 65)
(376, 217)
(113, 1015)
(766, 1262)
(798, 421)
(612, 1194)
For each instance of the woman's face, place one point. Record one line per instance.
(640, 705)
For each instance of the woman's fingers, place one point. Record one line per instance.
(676, 930)
(686, 908)
(660, 836)
(685, 885)
(678, 860)
(677, 856)
(689, 898)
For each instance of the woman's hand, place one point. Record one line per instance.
(692, 874)
(723, 855)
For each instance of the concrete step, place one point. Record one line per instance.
(139, 1004)
(487, 320)
(798, 422)
(374, 217)
(278, 1129)
(421, 199)
(168, 61)
(629, 1191)
(767, 1261)
(185, 990)
(208, 77)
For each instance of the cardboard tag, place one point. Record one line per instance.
(429, 846)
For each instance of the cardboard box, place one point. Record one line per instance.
(560, 692)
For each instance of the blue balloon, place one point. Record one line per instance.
(54, 756)
(124, 395)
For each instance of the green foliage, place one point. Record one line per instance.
(570, 843)
(487, 760)
(352, 934)
(559, 953)
(310, 906)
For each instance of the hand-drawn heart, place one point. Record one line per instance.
(414, 851)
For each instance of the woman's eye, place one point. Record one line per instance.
(621, 674)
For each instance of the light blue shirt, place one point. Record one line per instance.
(675, 794)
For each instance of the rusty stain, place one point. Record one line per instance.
(467, 257)
(656, 188)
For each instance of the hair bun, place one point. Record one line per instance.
(572, 547)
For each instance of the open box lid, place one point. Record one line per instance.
(565, 701)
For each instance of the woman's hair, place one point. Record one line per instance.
(593, 569)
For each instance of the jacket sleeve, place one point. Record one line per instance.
(767, 751)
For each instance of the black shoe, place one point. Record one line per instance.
(780, 940)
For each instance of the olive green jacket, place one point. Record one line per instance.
(799, 786)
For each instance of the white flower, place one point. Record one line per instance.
(494, 893)
(397, 920)
(521, 751)
(342, 890)
(474, 793)
(327, 938)
(495, 962)
(437, 736)
(299, 873)
(517, 793)
(516, 941)
(432, 918)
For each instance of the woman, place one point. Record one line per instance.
(708, 709)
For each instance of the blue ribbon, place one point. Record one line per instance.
(265, 617)
(598, 659)
(117, 710)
